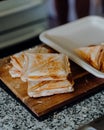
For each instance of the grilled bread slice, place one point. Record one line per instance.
(50, 66)
(47, 88)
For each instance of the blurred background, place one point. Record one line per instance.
(70, 10)
(24, 19)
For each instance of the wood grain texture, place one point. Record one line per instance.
(84, 82)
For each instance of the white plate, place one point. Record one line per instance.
(82, 32)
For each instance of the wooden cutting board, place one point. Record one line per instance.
(84, 84)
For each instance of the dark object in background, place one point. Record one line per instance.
(82, 8)
(102, 6)
(62, 11)
(97, 124)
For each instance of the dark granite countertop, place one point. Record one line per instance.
(13, 116)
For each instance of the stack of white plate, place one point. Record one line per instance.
(21, 20)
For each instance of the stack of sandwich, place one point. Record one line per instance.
(46, 73)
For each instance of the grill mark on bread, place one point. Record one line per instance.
(38, 85)
(17, 61)
(101, 60)
(50, 77)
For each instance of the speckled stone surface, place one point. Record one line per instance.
(13, 116)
